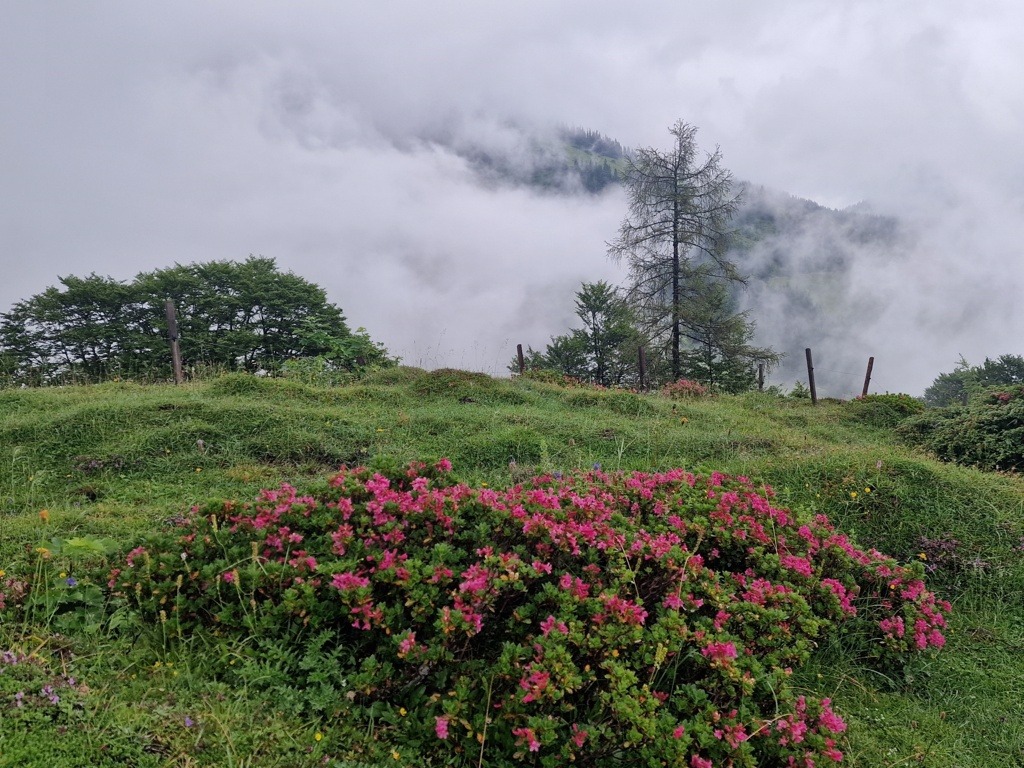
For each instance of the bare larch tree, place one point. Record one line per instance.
(673, 238)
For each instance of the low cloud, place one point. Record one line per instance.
(336, 141)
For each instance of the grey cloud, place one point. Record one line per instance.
(332, 137)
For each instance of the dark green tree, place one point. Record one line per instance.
(675, 234)
(88, 329)
(967, 381)
(720, 353)
(604, 350)
(245, 316)
(1004, 371)
(237, 316)
(608, 335)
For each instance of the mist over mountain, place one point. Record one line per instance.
(562, 160)
(805, 264)
(410, 158)
(803, 260)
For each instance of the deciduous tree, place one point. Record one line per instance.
(232, 315)
(674, 236)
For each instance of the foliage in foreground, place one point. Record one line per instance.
(988, 433)
(598, 618)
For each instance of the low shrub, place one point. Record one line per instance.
(886, 410)
(683, 389)
(592, 618)
(988, 433)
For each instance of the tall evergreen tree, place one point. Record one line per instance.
(604, 350)
(720, 352)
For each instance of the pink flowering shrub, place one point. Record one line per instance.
(597, 618)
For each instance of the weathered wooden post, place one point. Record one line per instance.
(760, 377)
(810, 378)
(643, 369)
(521, 359)
(867, 377)
(172, 335)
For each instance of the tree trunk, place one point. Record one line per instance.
(676, 319)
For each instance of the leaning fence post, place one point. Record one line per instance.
(172, 335)
(810, 378)
(867, 377)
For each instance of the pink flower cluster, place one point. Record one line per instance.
(565, 591)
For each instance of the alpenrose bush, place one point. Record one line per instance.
(604, 619)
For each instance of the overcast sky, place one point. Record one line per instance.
(134, 135)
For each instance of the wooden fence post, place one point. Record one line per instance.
(810, 378)
(760, 377)
(521, 359)
(172, 335)
(867, 377)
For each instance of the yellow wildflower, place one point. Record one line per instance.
(44, 515)
(318, 736)
(853, 494)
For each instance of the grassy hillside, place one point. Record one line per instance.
(86, 470)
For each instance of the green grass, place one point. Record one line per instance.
(114, 460)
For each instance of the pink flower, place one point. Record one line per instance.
(578, 735)
(577, 586)
(528, 737)
(441, 727)
(798, 564)
(131, 556)
(534, 685)
(348, 580)
(699, 762)
(407, 645)
(844, 597)
(673, 601)
(828, 719)
(721, 652)
(551, 623)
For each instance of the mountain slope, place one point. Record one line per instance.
(114, 461)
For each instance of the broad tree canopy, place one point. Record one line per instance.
(235, 316)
